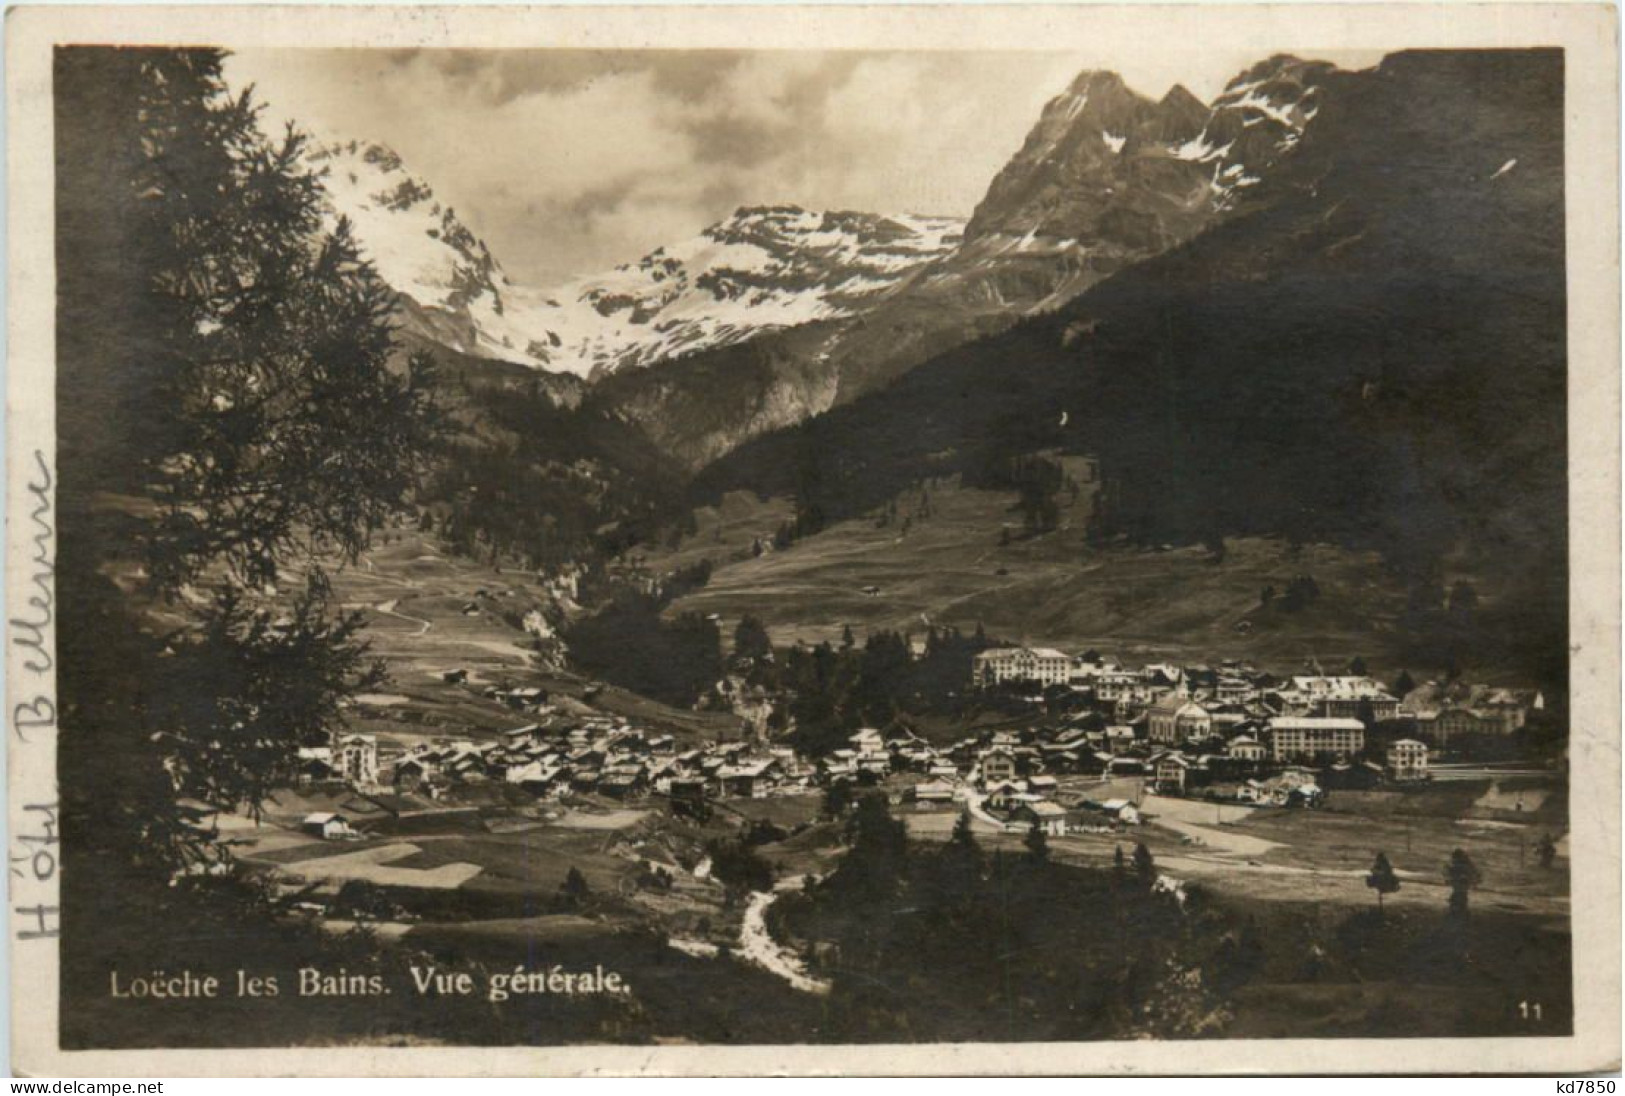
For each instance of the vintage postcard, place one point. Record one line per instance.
(817, 540)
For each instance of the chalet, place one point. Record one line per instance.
(751, 780)
(624, 782)
(1171, 771)
(874, 764)
(933, 792)
(327, 825)
(688, 797)
(466, 764)
(1226, 720)
(1119, 739)
(539, 778)
(1121, 810)
(1062, 759)
(528, 696)
(1126, 766)
(1094, 762)
(1047, 816)
(520, 736)
(1071, 736)
(868, 741)
(999, 765)
(1006, 793)
(410, 774)
(315, 764)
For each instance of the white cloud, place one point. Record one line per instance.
(571, 161)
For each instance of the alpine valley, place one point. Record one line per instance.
(1288, 317)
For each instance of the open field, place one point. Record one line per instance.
(950, 568)
(427, 612)
(1280, 855)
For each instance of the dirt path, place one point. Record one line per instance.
(388, 609)
(1193, 819)
(979, 815)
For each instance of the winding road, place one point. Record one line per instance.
(757, 946)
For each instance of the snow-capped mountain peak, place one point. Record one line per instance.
(763, 268)
(449, 280)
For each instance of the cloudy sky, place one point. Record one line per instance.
(571, 161)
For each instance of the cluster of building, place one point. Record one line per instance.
(558, 755)
(1312, 713)
(1228, 732)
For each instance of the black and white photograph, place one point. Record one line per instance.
(821, 545)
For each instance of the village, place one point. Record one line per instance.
(480, 803)
(1228, 734)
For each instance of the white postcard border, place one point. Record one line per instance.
(1588, 34)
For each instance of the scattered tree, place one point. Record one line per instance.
(1382, 879)
(837, 798)
(1462, 875)
(1463, 601)
(751, 639)
(574, 889)
(1145, 866)
(1037, 843)
(739, 867)
(1404, 685)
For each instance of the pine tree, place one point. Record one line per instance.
(242, 354)
(751, 639)
(1145, 866)
(1382, 879)
(962, 861)
(1037, 844)
(963, 836)
(574, 888)
(1462, 875)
